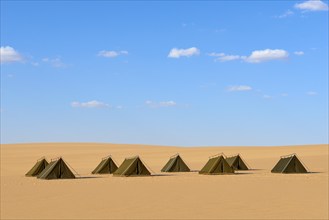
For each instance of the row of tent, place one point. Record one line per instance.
(134, 166)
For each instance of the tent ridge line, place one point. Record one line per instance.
(130, 164)
(286, 165)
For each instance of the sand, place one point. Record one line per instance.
(254, 194)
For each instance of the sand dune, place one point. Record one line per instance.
(254, 194)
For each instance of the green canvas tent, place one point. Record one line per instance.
(107, 165)
(57, 169)
(132, 166)
(217, 165)
(289, 164)
(175, 164)
(237, 163)
(38, 167)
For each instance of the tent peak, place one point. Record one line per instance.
(132, 157)
(176, 155)
(107, 157)
(217, 155)
(56, 158)
(41, 158)
(289, 155)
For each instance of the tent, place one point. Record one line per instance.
(38, 167)
(289, 164)
(107, 165)
(132, 166)
(237, 163)
(57, 169)
(175, 164)
(216, 165)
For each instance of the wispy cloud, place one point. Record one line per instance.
(299, 53)
(90, 104)
(112, 53)
(267, 96)
(311, 93)
(312, 5)
(153, 104)
(9, 55)
(288, 13)
(54, 62)
(222, 57)
(239, 88)
(177, 53)
(257, 56)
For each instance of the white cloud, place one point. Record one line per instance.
(160, 104)
(222, 57)
(299, 53)
(9, 55)
(239, 88)
(256, 56)
(284, 94)
(259, 56)
(311, 93)
(90, 104)
(286, 14)
(312, 5)
(177, 53)
(112, 53)
(55, 62)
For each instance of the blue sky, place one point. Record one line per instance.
(167, 73)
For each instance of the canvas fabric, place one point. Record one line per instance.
(57, 169)
(37, 168)
(216, 165)
(237, 163)
(107, 165)
(132, 167)
(175, 164)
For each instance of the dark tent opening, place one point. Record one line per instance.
(175, 164)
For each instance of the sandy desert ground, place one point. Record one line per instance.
(254, 194)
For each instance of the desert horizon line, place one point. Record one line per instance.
(162, 145)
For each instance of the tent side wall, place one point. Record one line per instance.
(175, 164)
(217, 165)
(281, 165)
(166, 167)
(37, 168)
(137, 168)
(294, 166)
(106, 166)
(57, 170)
(206, 168)
(125, 164)
(99, 166)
